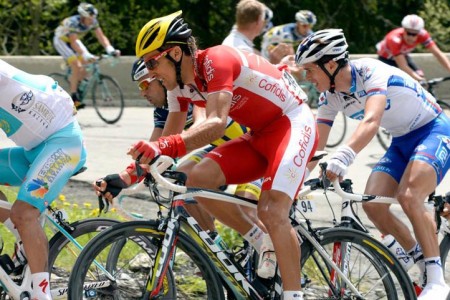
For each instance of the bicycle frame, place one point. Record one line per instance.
(16, 291)
(230, 272)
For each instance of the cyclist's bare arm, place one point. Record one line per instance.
(401, 62)
(199, 115)
(440, 56)
(101, 37)
(175, 123)
(323, 130)
(76, 44)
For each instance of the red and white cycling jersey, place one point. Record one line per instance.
(266, 99)
(261, 92)
(393, 43)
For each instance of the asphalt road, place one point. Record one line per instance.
(107, 146)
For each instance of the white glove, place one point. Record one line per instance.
(341, 159)
(88, 56)
(111, 51)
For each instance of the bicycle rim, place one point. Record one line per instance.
(338, 130)
(371, 269)
(445, 107)
(128, 251)
(107, 99)
(63, 253)
(62, 81)
(384, 138)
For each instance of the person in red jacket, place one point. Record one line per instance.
(394, 49)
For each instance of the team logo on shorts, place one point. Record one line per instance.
(37, 188)
(292, 175)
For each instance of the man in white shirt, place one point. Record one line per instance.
(252, 19)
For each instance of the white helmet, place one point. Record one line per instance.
(328, 42)
(306, 17)
(413, 22)
(87, 10)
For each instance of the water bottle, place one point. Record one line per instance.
(391, 243)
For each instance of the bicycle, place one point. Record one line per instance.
(364, 270)
(339, 128)
(385, 138)
(106, 94)
(67, 239)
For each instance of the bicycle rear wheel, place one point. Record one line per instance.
(62, 80)
(445, 107)
(107, 98)
(338, 130)
(444, 248)
(369, 266)
(195, 276)
(384, 138)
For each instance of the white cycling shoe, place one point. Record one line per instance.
(434, 291)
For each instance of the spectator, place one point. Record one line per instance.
(394, 49)
(252, 19)
(281, 40)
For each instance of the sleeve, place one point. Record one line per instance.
(327, 110)
(425, 39)
(220, 66)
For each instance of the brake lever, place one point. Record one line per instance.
(101, 201)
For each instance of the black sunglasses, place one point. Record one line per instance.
(411, 33)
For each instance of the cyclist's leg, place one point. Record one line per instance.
(203, 218)
(287, 156)
(52, 164)
(245, 163)
(71, 58)
(251, 190)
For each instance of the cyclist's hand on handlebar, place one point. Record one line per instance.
(145, 151)
(109, 186)
(338, 163)
(89, 57)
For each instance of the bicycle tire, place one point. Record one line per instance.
(107, 99)
(384, 138)
(444, 248)
(62, 251)
(372, 269)
(188, 253)
(62, 80)
(445, 107)
(338, 130)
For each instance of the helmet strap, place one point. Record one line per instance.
(177, 65)
(341, 63)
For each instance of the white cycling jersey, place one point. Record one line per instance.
(238, 40)
(32, 107)
(73, 25)
(408, 106)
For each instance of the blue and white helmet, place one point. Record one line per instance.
(139, 70)
(327, 42)
(306, 17)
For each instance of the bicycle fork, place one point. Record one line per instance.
(163, 260)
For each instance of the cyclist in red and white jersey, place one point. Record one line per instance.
(255, 93)
(67, 43)
(418, 157)
(394, 49)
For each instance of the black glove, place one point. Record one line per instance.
(115, 184)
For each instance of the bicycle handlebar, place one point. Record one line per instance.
(361, 197)
(161, 164)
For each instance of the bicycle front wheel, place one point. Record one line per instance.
(195, 276)
(338, 130)
(63, 251)
(372, 270)
(444, 248)
(107, 98)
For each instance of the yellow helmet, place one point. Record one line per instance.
(157, 32)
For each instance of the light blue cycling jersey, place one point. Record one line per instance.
(38, 116)
(73, 25)
(410, 112)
